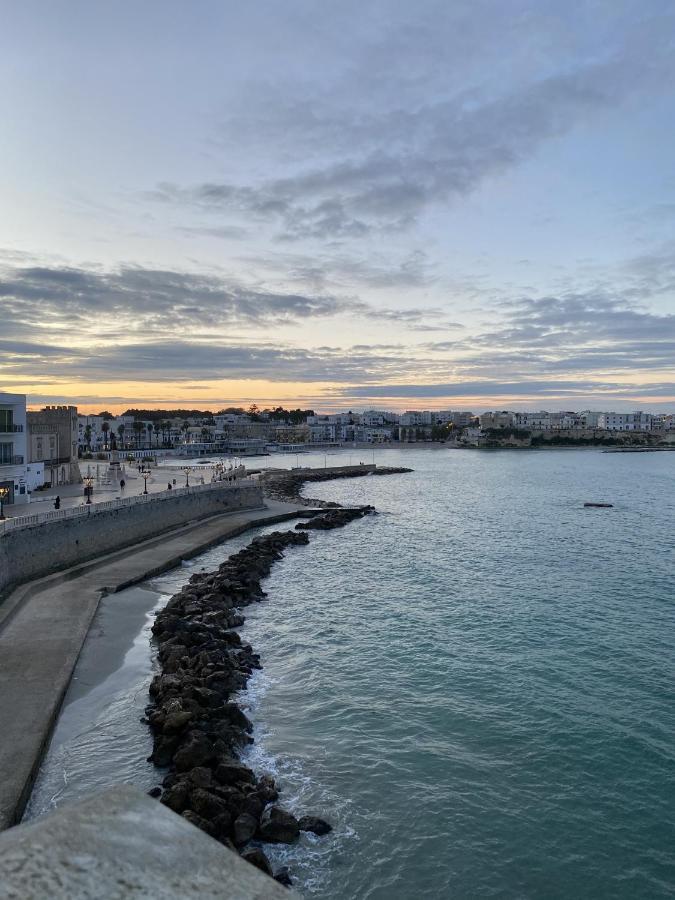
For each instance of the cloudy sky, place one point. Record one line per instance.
(463, 203)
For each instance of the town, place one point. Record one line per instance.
(51, 447)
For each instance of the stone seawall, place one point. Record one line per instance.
(37, 550)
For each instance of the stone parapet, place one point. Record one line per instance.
(121, 845)
(37, 550)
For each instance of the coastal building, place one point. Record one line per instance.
(53, 435)
(13, 454)
(635, 421)
(503, 419)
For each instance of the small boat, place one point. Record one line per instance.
(600, 505)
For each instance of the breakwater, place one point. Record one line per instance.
(286, 485)
(198, 730)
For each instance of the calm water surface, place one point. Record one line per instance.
(476, 686)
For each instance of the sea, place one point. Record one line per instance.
(475, 686)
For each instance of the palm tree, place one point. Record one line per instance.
(206, 434)
(105, 428)
(166, 432)
(149, 430)
(120, 432)
(87, 436)
(138, 428)
(185, 427)
(157, 430)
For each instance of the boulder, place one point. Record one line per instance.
(244, 828)
(176, 797)
(206, 804)
(257, 858)
(315, 825)
(196, 751)
(230, 771)
(283, 876)
(199, 822)
(278, 826)
(176, 721)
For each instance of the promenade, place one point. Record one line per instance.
(43, 625)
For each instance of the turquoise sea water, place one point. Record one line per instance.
(477, 685)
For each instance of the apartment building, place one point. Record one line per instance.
(14, 484)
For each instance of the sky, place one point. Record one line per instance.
(464, 204)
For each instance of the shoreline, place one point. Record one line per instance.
(101, 668)
(196, 715)
(44, 624)
(55, 613)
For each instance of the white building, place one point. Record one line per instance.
(635, 421)
(13, 454)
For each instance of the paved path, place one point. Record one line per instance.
(43, 626)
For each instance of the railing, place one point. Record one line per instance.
(11, 429)
(90, 509)
(12, 461)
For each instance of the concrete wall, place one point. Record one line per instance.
(121, 845)
(34, 551)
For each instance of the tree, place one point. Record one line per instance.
(253, 411)
(206, 434)
(158, 429)
(120, 432)
(138, 427)
(87, 436)
(185, 427)
(166, 431)
(149, 426)
(105, 428)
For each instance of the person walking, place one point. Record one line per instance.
(57, 502)
(122, 484)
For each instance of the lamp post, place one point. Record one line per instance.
(187, 470)
(4, 493)
(144, 473)
(89, 487)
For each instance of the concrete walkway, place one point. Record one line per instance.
(43, 625)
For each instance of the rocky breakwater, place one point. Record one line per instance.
(198, 730)
(286, 484)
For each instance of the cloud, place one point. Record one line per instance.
(135, 299)
(375, 168)
(529, 389)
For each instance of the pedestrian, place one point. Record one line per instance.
(174, 482)
(57, 502)
(122, 483)
(169, 485)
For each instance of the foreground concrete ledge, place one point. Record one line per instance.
(121, 844)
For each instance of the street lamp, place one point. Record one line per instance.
(4, 493)
(144, 473)
(89, 487)
(187, 470)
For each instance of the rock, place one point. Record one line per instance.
(201, 777)
(207, 805)
(176, 721)
(163, 750)
(194, 752)
(278, 826)
(283, 876)
(230, 771)
(267, 789)
(176, 797)
(199, 822)
(245, 826)
(257, 858)
(315, 825)
(155, 792)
